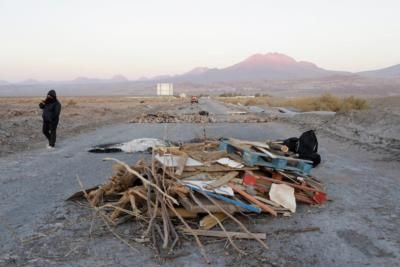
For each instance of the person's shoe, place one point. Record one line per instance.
(50, 147)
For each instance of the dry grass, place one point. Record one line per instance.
(326, 102)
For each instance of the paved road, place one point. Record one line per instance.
(358, 227)
(216, 108)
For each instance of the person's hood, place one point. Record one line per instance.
(53, 94)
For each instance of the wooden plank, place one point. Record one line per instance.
(252, 199)
(209, 221)
(181, 211)
(223, 180)
(301, 187)
(237, 203)
(240, 235)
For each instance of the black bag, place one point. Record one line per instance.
(306, 146)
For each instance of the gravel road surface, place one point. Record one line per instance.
(358, 226)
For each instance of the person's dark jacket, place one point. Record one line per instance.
(51, 108)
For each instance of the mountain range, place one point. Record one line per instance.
(271, 73)
(258, 67)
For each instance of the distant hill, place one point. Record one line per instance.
(271, 73)
(119, 78)
(270, 66)
(389, 72)
(30, 81)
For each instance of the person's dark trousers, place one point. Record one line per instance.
(50, 131)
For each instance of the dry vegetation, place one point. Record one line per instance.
(325, 102)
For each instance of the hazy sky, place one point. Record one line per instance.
(64, 39)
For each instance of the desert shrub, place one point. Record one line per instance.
(328, 102)
(230, 94)
(325, 102)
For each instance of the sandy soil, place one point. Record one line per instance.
(21, 121)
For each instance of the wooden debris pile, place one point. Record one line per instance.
(192, 189)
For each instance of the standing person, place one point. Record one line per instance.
(51, 113)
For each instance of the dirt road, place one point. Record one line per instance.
(359, 226)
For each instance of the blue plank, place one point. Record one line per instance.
(226, 199)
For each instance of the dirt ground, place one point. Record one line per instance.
(357, 227)
(20, 125)
(21, 121)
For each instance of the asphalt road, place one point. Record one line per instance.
(359, 226)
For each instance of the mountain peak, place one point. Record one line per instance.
(198, 71)
(269, 58)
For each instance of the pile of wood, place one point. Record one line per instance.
(192, 189)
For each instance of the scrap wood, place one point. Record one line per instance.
(223, 180)
(80, 194)
(209, 221)
(280, 147)
(228, 200)
(206, 156)
(184, 213)
(190, 230)
(267, 201)
(240, 235)
(252, 199)
(171, 160)
(104, 217)
(217, 168)
(251, 143)
(230, 163)
(191, 206)
(235, 220)
(144, 180)
(301, 187)
(203, 146)
(303, 198)
(160, 198)
(217, 220)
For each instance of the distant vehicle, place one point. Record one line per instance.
(194, 99)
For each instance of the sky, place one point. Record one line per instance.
(65, 39)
